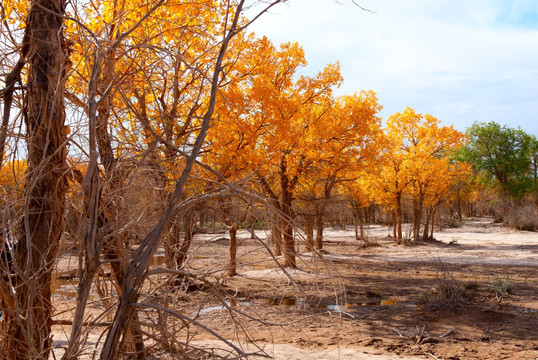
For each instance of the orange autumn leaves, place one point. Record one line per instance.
(280, 124)
(156, 79)
(271, 113)
(270, 120)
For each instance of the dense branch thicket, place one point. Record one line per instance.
(130, 126)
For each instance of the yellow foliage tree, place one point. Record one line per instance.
(275, 115)
(413, 162)
(351, 135)
(284, 128)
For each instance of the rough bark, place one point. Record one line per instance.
(26, 320)
(287, 239)
(286, 188)
(276, 237)
(232, 264)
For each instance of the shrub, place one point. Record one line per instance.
(523, 217)
(449, 293)
(500, 288)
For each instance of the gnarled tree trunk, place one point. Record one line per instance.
(27, 312)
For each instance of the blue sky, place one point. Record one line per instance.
(461, 61)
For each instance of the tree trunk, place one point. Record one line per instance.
(432, 225)
(288, 240)
(171, 246)
(360, 212)
(372, 216)
(276, 213)
(398, 210)
(470, 209)
(309, 231)
(458, 205)
(286, 189)
(429, 212)
(26, 320)
(432, 217)
(394, 232)
(253, 228)
(232, 265)
(276, 236)
(116, 247)
(417, 216)
(355, 220)
(137, 268)
(177, 254)
(319, 231)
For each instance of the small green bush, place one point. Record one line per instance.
(500, 288)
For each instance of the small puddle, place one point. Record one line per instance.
(379, 302)
(229, 303)
(286, 301)
(233, 303)
(292, 301)
(339, 308)
(157, 260)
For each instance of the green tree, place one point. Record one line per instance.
(501, 156)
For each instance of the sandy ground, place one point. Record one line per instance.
(352, 302)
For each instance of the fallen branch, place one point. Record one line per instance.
(397, 331)
(429, 340)
(452, 331)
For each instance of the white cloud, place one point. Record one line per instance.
(461, 61)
